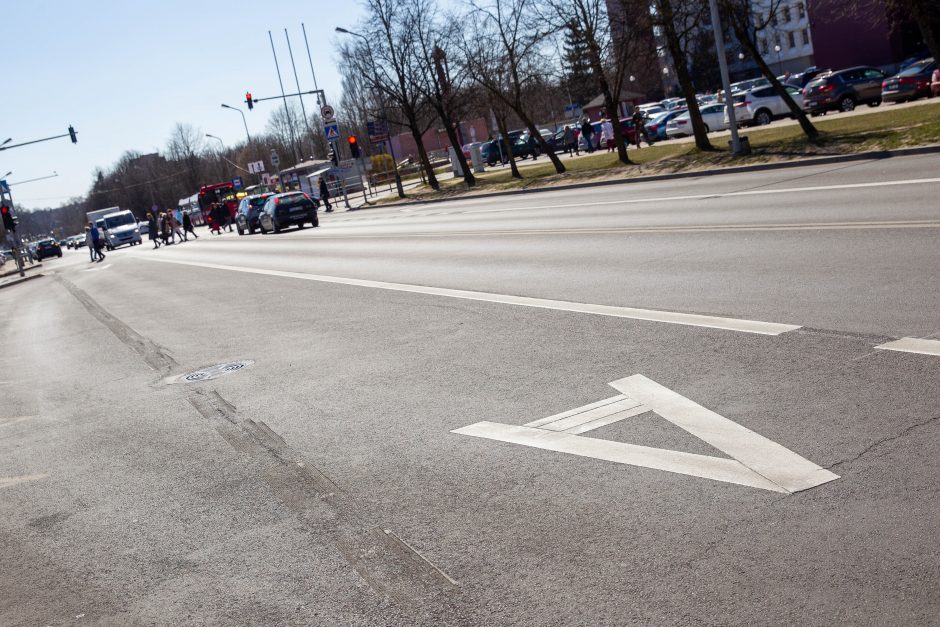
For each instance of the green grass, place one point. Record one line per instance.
(885, 129)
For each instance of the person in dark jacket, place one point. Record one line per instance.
(325, 194)
(153, 230)
(587, 132)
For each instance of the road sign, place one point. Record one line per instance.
(266, 178)
(4, 187)
(327, 113)
(754, 460)
(378, 131)
(275, 160)
(256, 167)
(331, 131)
(237, 182)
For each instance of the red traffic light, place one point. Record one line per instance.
(248, 99)
(353, 140)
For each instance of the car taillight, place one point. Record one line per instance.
(827, 88)
(906, 80)
(653, 127)
(884, 85)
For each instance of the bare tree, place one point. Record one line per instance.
(746, 22)
(432, 79)
(607, 37)
(677, 24)
(502, 53)
(388, 62)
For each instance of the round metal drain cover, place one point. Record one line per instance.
(214, 372)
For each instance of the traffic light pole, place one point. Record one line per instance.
(6, 200)
(72, 133)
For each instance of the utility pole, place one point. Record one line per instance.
(725, 80)
(290, 118)
(8, 226)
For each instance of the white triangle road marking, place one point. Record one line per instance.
(755, 460)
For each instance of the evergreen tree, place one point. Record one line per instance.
(577, 77)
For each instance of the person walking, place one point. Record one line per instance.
(89, 242)
(607, 134)
(175, 229)
(153, 230)
(188, 224)
(325, 194)
(587, 132)
(97, 243)
(568, 138)
(216, 214)
(639, 128)
(164, 228)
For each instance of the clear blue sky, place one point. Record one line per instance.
(123, 72)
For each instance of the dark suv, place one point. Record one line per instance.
(249, 208)
(843, 90)
(282, 210)
(493, 153)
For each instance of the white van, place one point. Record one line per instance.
(121, 228)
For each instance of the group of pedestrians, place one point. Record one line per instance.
(164, 227)
(585, 128)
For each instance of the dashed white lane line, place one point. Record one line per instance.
(668, 317)
(6, 482)
(913, 345)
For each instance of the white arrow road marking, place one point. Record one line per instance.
(757, 462)
(913, 345)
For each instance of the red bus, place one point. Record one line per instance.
(220, 192)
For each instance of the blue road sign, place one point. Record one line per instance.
(331, 131)
(237, 182)
(4, 187)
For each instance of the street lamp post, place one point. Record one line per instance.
(221, 143)
(736, 148)
(779, 66)
(245, 122)
(375, 71)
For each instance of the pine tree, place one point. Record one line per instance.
(577, 77)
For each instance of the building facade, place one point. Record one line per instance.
(786, 43)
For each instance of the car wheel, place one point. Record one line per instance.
(707, 130)
(847, 104)
(241, 231)
(300, 225)
(763, 117)
(60, 255)
(264, 231)
(275, 226)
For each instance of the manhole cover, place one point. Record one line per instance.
(214, 372)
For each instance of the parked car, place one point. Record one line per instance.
(712, 115)
(751, 83)
(281, 210)
(656, 128)
(626, 126)
(911, 83)
(760, 106)
(935, 83)
(466, 149)
(47, 248)
(249, 209)
(493, 153)
(651, 109)
(843, 90)
(800, 80)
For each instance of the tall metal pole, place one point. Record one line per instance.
(725, 80)
(303, 110)
(244, 121)
(310, 59)
(290, 119)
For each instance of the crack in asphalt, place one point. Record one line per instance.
(884, 440)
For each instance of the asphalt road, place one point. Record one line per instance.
(321, 480)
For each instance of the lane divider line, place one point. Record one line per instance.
(913, 345)
(668, 317)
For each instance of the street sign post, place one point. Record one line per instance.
(275, 159)
(378, 130)
(237, 182)
(331, 131)
(327, 113)
(256, 167)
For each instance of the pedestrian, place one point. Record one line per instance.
(325, 194)
(153, 230)
(175, 226)
(188, 224)
(89, 242)
(639, 128)
(96, 243)
(587, 132)
(607, 134)
(164, 229)
(226, 215)
(216, 214)
(571, 145)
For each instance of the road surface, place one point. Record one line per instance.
(708, 400)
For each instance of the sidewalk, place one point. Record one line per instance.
(9, 275)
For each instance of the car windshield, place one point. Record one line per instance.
(46, 242)
(258, 202)
(122, 219)
(917, 68)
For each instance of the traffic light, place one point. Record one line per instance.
(9, 222)
(248, 99)
(354, 146)
(333, 156)
(72, 134)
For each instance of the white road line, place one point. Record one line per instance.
(6, 482)
(913, 345)
(571, 422)
(608, 420)
(576, 411)
(717, 468)
(769, 459)
(668, 317)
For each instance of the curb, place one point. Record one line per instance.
(861, 156)
(24, 279)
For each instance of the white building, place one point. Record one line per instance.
(785, 43)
